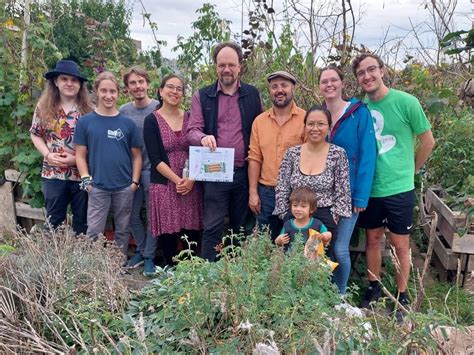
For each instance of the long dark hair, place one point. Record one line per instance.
(163, 83)
(50, 102)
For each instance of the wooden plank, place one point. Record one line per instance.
(446, 229)
(7, 208)
(26, 211)
(435, 203)
(442, 272)
(445, 255)
(448, 258)
(464, 244)
(14, 176)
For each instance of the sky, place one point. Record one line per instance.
(174, 17)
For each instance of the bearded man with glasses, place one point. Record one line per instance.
(222, 115)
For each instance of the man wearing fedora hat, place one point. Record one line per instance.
(273, 132)
(64, 100)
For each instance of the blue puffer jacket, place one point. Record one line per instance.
(354, 132)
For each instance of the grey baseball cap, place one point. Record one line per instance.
(282, 74)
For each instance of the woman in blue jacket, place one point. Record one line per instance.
(352, 129)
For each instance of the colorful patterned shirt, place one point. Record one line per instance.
(331, 186)
(58, 136)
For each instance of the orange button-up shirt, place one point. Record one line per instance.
(269, 141)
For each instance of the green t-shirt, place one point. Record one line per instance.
(398, 118)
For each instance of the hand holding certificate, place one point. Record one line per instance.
(207, 165)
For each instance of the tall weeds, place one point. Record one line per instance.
(53, 285)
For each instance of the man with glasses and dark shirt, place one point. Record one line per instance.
(398, 118)
(222, 115)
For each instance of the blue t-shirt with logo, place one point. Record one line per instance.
(109, 141)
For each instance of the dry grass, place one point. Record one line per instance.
(51, 286)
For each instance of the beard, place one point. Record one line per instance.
(140, 95)
(228, 80)
(280, 104)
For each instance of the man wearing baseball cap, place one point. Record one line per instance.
(60, 106)
(273, 132)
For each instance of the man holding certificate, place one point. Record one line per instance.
(221, 116)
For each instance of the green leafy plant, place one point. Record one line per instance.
(195, 52)
(458, 42)
(451, 164)
(258, 297)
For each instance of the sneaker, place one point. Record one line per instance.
(399, 314)
(372, 294)
(149, 268)
(135, 261)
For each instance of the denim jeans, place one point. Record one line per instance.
(222, 199)
(267, 205)
(341, 251)
(58, 194)
(146, 242)
(100, 202)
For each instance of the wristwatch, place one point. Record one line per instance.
(136, 183)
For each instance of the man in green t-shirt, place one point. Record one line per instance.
(398, 118)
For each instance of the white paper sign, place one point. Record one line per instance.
(205, 165)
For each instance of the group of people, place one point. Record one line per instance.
(322, 169)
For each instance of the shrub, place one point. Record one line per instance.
(451, 164)
(255, 298)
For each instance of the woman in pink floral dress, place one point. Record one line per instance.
(175, 201)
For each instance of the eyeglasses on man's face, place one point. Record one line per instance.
(371, 70)
(231, 67)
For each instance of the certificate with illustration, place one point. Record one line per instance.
(205, 165)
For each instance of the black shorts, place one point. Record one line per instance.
(395, 212)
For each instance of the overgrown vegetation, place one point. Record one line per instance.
(94, 33)
(53, 286)
(60, 292)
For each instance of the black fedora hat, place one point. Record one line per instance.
(68, 67)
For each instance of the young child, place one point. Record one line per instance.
(303, 205)
(313, 231)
